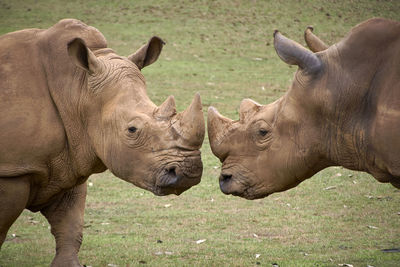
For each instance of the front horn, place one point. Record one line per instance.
(191, 123)
(218, 127)
(294, 54)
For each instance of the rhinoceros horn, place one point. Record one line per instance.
(218, 128)
(313, 42)
(294, 54)
(190, 123)
(167, 109)
(247, 108)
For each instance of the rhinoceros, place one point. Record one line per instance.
(342, 109)
(71, 107)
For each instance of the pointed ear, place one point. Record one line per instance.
(82, 57)
(247, 108)
(148, 53)
(294, 54)
(313, 42)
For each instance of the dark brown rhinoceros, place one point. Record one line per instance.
(343, 108)
(71, 107)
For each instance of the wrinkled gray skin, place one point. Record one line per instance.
(343, 108)
(71, 107)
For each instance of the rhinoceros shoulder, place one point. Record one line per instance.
(374, 34)
(67, 29)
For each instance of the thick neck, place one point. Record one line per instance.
(68, 99)
(346, 144)
(347, 110)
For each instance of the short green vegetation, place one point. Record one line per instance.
(223, 50)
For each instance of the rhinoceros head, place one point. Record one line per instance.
(153, 147)
(254, 152)
(273, 147)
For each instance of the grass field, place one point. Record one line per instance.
(223, 50)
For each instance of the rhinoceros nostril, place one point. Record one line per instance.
(225, 177)
(171, 170)
(225, 182)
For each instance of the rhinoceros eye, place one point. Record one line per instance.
(132, 129)
(263, 132)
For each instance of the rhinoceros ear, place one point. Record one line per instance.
(294, 54)
(148, 53)
(313, 42)
(82, 56)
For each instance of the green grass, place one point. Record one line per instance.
(222, 49)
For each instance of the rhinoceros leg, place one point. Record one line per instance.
(14, 195)
(65, 216)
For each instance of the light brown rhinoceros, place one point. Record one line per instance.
(343, 108)
(71, 107)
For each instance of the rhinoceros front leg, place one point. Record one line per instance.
(14, 195)
(65, 216)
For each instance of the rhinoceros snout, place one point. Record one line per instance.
(230, 185)
(178, 178)
(224, 183)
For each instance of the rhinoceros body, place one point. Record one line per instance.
(343, 108)
(71, 107)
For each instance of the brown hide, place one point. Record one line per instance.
(343, 108)
(71, 107)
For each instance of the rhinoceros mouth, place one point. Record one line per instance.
(231, 186)
(237, 181)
